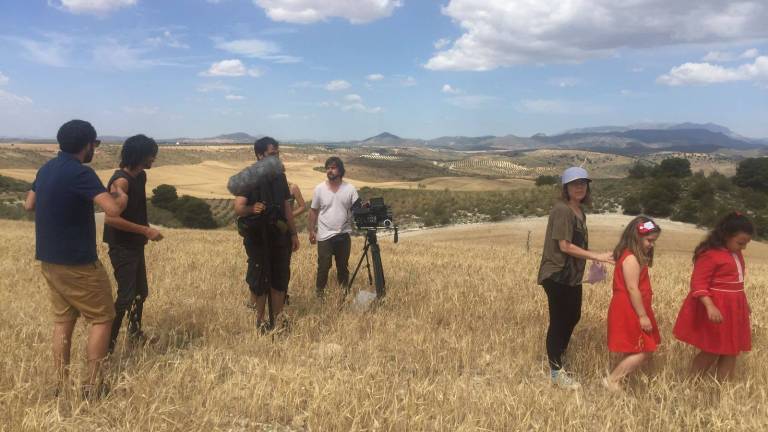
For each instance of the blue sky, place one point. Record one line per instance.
(349, 69)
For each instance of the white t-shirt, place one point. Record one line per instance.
(334, 209)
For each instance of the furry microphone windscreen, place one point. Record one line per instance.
(253, 176)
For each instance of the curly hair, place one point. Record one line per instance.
(136, 150)
(261, 145)
(732, 224)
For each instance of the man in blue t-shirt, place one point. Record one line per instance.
(62, 198)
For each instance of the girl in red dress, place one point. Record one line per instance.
(632, 328)
(715, 315)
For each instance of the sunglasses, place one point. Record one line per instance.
(96, 143)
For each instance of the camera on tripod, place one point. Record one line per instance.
(370, 217)
(375, 214)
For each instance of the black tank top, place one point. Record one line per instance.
(135, 212)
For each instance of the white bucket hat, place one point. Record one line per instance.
(575, 173)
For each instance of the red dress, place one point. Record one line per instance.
(624, 332)
(719, 274)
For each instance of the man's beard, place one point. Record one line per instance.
(332, 177)
(89, 156)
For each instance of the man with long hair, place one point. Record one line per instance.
(330, 223)
(62, 198)
(127, 234)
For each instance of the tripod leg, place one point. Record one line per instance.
(378, 271)
(357, 268)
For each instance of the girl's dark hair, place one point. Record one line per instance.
(335, 160)
(74, 135)
(136, 150)
(261, 145)
(733, 223)
(587, 198)
(631, 240)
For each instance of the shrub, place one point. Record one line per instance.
(674, 167)
(193, 212)
(752, 173)
(164, 196)
(640, 170)
(632, 205)
(544, 180)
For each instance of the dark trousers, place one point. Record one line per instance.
(337, 247)
(564, 313)
(132, 289)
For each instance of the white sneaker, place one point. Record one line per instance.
(563, 380)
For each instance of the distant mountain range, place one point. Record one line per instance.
(635, 139)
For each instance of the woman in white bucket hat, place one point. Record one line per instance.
(562, 268)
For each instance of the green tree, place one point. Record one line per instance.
(193, 212)
(164, 196)
(640, 170)
(752, 173)
(659, 196)
(674, 167)
(632, 205)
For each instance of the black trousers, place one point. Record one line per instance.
(564, 313)
(338, 247)
(132, 289)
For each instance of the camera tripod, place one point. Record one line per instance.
(372, 246)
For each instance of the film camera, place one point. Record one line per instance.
(373, 215)
(370, 217)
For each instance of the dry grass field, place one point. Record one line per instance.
(458, 344)
(203, 171)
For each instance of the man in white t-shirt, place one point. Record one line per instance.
(330, 223)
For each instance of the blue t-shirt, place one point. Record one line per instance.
(65, 228)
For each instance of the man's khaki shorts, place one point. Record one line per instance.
(79, 290)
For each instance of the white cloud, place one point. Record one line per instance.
(750, 53)
(230, 68)
(7, 97)
(309, 11)
(450, 90)
(375, 77)
(280, 116)
(707, 73)
(233, 97)
(168, 39)
(360, 107)
(257, 48)
(557, 106)
(95, 7)
(112, 54)
(500, 33)
(353, 98)
(337, 85)
(441, 43)
(54, 50)
(3, 79)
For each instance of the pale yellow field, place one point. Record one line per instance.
(458, 344)
(209, 179)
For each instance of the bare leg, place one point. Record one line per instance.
(62, 341)
(98, 342)
(626, 365)
(725, 367)
(702, 363)
(278, 299)
(261, 302)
